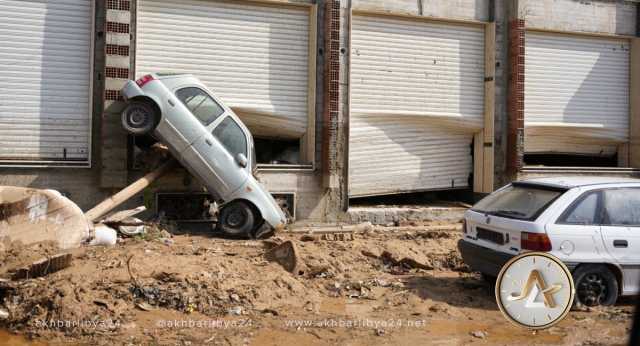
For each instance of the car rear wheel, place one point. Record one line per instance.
(595, 285)
(237, 219)
(139, 118)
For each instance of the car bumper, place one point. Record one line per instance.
(489, 261)
(482, 259)
(131, 90)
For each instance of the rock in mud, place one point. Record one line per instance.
(479, 334)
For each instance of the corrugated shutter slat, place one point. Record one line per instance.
(255, 57)
(576, 94)
(416, 98)
(45, 61)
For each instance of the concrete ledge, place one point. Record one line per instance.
(402, 215)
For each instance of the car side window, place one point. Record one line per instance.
(583, 212)
(200, 104)
(229, 133)
(622, 207)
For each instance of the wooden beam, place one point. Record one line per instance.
(489, 107)
(623, 155)
(308, 141)
(634, 104)
(112, 202)
(478, 162)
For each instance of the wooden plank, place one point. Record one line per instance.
(623, 155)
(308, 141)
(634, 104)
(489, 107)
(110, 203)
(580, 33)
(478, 161)
(411, 16)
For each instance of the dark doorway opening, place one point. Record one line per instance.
(277, 151)
(570, 160)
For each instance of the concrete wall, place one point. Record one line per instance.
(453, 9)
(605, 16)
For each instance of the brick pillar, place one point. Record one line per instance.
(113, 172)
(332, 93)
(515, 98)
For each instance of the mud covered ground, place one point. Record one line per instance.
(192, 289)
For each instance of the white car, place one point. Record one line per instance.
(592, 224)
(208, 139)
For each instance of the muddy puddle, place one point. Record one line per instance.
(9, 339)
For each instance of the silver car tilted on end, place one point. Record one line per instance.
(210, 141)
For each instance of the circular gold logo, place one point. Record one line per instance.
(535, 290)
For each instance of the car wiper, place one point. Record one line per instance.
(509, 213)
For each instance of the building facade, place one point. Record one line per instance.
(347, 98)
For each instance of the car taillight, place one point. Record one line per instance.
(464, 225)
(535, 241)
(144, 80)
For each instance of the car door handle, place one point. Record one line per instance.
(208, 141)
(620, 243)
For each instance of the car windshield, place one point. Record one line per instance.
(518, 201)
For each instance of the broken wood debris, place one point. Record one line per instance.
(43, 267)
(129, 191)
(346, 236)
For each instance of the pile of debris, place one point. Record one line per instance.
(204, 276)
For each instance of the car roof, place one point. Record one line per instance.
(569, 182)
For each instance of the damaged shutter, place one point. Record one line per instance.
(45, 64)
(417, 98)
(576, 94)
(253, 56)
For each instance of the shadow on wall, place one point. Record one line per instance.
(626, 18)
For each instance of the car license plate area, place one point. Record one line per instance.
(490, 236)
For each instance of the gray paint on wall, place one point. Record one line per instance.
(603, 16)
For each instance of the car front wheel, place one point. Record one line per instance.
(139, 118)
(595, 285)
(237, 219)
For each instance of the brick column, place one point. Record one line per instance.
(515, 98)
(113, 172)
(332, 92)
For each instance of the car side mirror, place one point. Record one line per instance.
(242, 161)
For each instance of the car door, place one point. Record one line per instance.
(219, 150)
(205, 111)
(576, 234)
(621, 232)
(188, 118)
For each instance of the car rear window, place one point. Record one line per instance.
(519, 201)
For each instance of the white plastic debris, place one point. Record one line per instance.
(104, 236)
(132, 230)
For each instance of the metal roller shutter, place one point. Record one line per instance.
(45, 64)
(417, 97)
(576, 94)
(255, 57)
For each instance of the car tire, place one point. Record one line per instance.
(595, 285)
(237, 219)
(139, 118)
